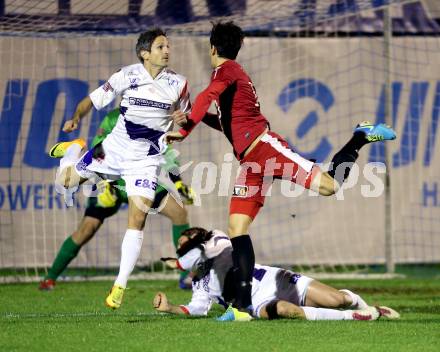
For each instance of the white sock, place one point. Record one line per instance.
(358, 302)
(71, 156)
(313, 313)
(130, 250)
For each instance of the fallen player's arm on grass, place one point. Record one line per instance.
(161, 304)
(170, 262)
(199, 305)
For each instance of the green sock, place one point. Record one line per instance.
(177, 231)
(67, 252)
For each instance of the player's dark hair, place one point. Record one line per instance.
(196, 237)
(146, 39)
(227, 38)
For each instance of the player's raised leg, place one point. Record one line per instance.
(67, 178)
(68, 149)
(328, 183)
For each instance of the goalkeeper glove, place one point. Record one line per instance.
(106, 195)
(186, 193)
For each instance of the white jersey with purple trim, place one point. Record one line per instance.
(145, 109)
(208, 290)
(268, 282)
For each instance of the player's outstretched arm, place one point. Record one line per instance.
(171, 263)
(82, 109)
(180, 118)
(161, 304)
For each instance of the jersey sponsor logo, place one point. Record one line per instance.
(240, 191)
(145, 183)
(107, 87)
(149, 103)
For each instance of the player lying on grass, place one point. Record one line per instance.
(276, 292)
(107, 203)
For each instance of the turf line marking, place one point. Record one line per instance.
(75, 315)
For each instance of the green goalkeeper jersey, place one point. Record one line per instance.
(108, 123)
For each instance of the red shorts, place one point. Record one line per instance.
(270, 159)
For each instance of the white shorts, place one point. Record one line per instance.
(140, 175)
(267, 286)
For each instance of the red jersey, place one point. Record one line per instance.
(238, 109)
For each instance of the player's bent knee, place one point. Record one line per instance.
(233, 231)
(61, 179)
(277, 309)
(327, 185)
(81, 237)
(86, 230)
(137, 220)
(68, 178)
(238, 224)
(180, 216)
(338, 300)
(345, 300)
(138, 208)
(324, 191)
(272, 309)
(289, 310)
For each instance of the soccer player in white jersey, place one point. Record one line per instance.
(276, 293)
(150, 93)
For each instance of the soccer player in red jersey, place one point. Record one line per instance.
(263, 154)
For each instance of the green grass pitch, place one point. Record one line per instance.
(74, 318)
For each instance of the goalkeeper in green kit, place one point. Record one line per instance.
(111, 195)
